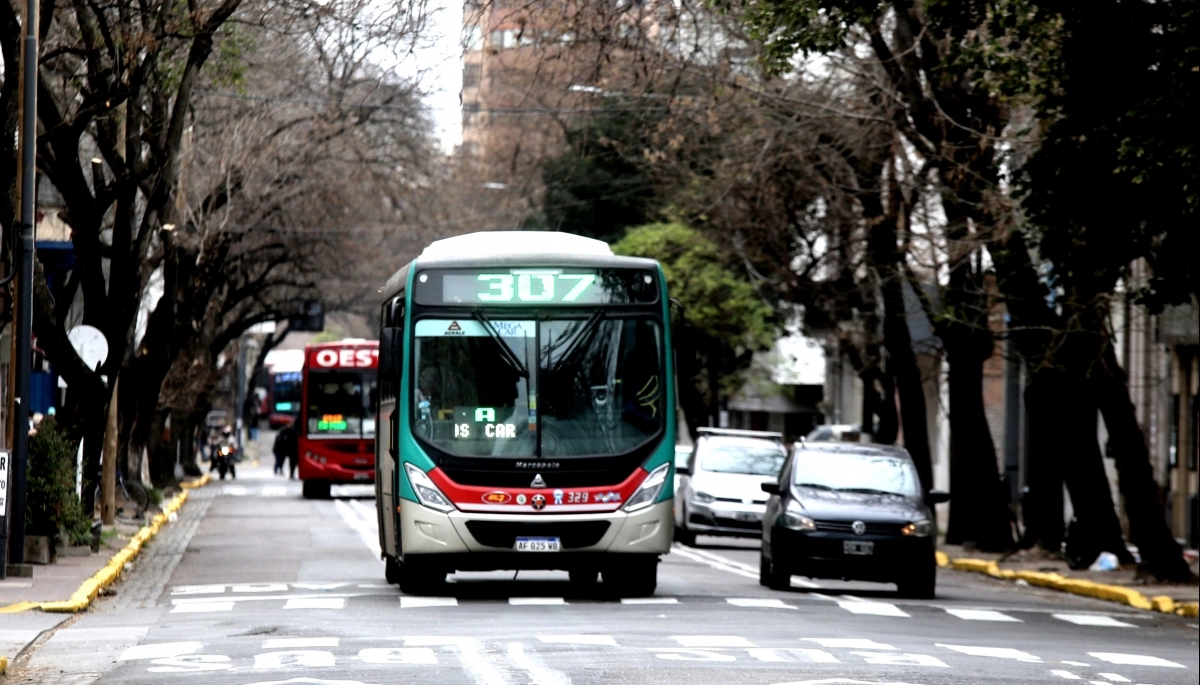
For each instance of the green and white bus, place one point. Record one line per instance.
(527, 390)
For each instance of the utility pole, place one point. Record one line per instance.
(23, 309)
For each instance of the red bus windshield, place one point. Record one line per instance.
(340, 392)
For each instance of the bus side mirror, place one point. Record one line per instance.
(390, 351)
(937, 497)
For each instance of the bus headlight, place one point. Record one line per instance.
(426, 491)
(648, 491)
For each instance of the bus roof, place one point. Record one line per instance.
(515, 248)
(492, 243)
(284, 361)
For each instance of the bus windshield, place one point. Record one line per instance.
(285, 392)
(522, 388)
(341, 403)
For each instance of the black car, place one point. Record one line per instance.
(850, 511)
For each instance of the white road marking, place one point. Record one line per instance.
(191, 663)
(995, 652)
(874, 609)
(310, 681)
(738, 567)
(649, 600)
(234, 490)
(473, 661)
(825, 681)
(260, 587)
(198, 590)
(1065, 674)
(274, 491)
(1114, 677)
(889, 659)
(302, 658)
(539, 673)
(767, 655)
(536, 601)
(848, 643)
(202, 607)
(159, 651)
(1133, 659)
(1093, 620)
(981, 615)
(316, 603)
(407, 602)
(759, 602)
(723, 565)
(290, 642)
(605, 640)
(324, 586)
(1075, 663)
(691, 655)
(399, 655)
(366, 527)
(712, 641)
(261, 598)
(819, 656)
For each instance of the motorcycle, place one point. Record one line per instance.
(224, 461)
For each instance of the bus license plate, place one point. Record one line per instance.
(858, 548)
(538, 545)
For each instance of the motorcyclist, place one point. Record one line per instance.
(226, 450)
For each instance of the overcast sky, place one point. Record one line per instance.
(439, 62)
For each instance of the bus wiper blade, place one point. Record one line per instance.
(585, 333)
(505, 352)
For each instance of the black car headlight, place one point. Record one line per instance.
(922, 528)
(793, 519)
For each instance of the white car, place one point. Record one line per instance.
(720, 488)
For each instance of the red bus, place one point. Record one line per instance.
(336, 426)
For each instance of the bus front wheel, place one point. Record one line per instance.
(634, 577)
(418, 577)
(316, 489)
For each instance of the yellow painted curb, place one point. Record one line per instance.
(942, 559)
(110, 572)
(3, 665)
(1086, 588)
(1188, 609)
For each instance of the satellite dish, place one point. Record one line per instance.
(90, 344)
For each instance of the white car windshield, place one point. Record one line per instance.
(856, 473)
(749, 457)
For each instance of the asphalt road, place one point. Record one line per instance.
(255, 585)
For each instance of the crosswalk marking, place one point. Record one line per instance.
(160, 650)
(761, 602)
(202, 607)
(316, 603)
(874, 609)
(604, 640)
(1065, 674)
(1133, 659)
(649, 600)
(1114, 677)
(294, 642)
(1093, 620)
(848, 643)
(712, 641)
(535, 601)
(407, 602)
(995, 652)
(982, 615)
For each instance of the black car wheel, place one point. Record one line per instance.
(685, 537)
(920, 583)
(773, 575)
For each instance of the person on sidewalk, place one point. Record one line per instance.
(287, 446)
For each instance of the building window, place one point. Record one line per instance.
(471, 75)
(470, 114)
(472, 37)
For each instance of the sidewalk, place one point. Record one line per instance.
(1180, 593)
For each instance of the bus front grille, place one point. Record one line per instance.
(573, 534)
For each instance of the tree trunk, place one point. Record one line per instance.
(1042, 502)
(911, 390)
(1161, 554)
(982, 515)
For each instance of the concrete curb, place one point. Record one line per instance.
(111, 572)
(1086, 588)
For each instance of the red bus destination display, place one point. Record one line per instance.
(536, 286)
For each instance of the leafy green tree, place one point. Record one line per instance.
(597, 186)
(725, 321)
(53, 505)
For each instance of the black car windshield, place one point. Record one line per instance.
(856, 472)
(341, 403)
(557, 387)
(750, 457)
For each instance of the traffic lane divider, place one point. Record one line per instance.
(1086, 588)
(111, 572)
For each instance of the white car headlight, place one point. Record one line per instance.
(647, 492)
(426, 491)
(918, 529)
(703, 497)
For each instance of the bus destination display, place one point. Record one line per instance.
(536, 286)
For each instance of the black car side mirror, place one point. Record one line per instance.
(937, 497)
(683, 470)
(770, 488)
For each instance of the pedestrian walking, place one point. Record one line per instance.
(279, 448)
